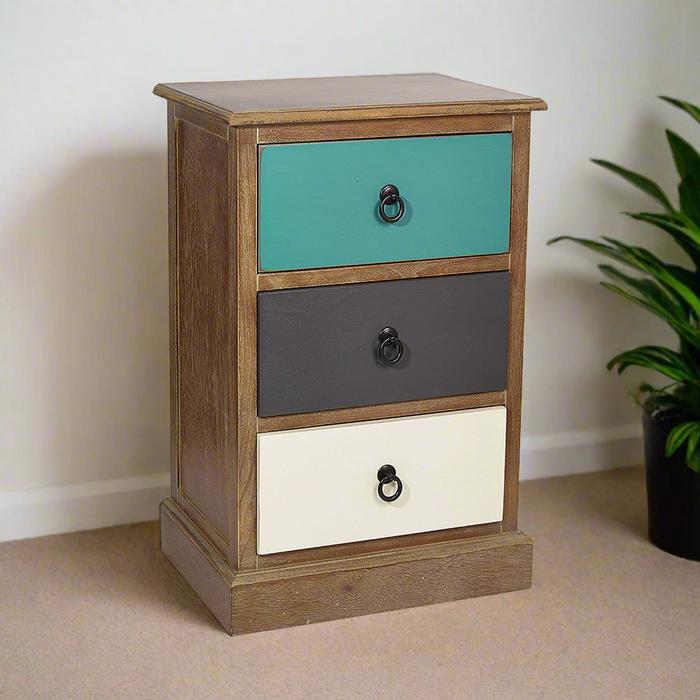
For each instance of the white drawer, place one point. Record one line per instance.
(318, 486)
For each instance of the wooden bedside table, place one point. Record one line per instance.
(347, 277)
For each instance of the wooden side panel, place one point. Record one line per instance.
(245, 163)
(173, 294)
(480, 567)
(203, 120)
(204, 331)
(216, 538)
(518, 256)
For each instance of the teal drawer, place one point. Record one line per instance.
(319, 202)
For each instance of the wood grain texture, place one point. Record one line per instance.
(214, 125)
(232, 316)
(299, 594)
(203, 329)
(216, 538)
(246, 355)
(212, 215)
(518, 254)
(478, 567)
(385, 128)
(386, 271)
(439, 549)
(384, 544)
(344, 98)
(387, 410)
(203, 569)
(172, 302)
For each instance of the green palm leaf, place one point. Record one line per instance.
(687, 238)
(691, 109)
(597, 246)
(683, 218)
(669, 363)
(682, 328)
(687, 159)
(693, 454)
(640, 181)
(649, 290)
(689, 432)
(655, 267)
(689, 195)
(679, 435)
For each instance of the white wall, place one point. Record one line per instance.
(83, 264)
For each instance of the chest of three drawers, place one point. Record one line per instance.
(347, 272)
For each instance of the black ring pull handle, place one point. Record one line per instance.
(389, 194)
(390, 349)
(387, 475)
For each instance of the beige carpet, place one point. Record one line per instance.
(102, 614)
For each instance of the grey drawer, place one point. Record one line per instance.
(318, 347)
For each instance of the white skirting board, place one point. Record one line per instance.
(580, 452)
(57, 509)
(86, 506)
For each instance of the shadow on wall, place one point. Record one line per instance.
(576, 326)
(87, 326)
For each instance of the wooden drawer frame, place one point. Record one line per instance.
(209, 521)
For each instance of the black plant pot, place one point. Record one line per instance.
(673, 489)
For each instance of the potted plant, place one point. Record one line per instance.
(671, 413)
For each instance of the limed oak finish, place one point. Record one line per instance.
(443, 524)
